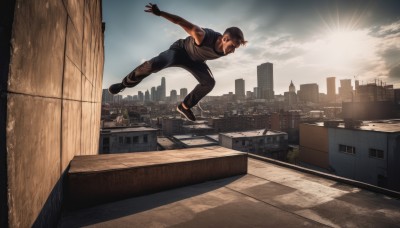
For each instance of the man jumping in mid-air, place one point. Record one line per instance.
(190, 53)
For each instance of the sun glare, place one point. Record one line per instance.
(343, 47)
(344, 40)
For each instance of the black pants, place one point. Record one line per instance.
(176, 56)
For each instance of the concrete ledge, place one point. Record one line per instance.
(97, 179)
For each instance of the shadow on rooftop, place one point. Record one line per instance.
(110, 211)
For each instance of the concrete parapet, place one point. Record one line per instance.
(104, 178)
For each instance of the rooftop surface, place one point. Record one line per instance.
(269, 195)
(166, 143)
(197, 126)
(214, 137)
(127, 129)
(388, 126)
(198, 141)
(252, 133)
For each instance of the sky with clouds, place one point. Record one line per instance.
(306, 40)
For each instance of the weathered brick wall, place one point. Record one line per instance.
(53, 102)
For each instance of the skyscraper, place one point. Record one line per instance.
(292, 88)
(173, 96)
(291, 96)
(265, 81)
(331, 89)
(346, 90)
(239, 89)
(158, 93)
(107, 96)
(309, 93)
(163, 89)
(140, 96)
(183, 93)
(153, 94)
(147, 96)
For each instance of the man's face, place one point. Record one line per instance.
(229, 45)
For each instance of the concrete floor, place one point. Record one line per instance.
(268, 196)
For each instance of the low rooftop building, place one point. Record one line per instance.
(127, 139)
(264, 142)
(191, 141)
(366, 151)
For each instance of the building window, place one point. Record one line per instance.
(145, 138)
(375, 153)
(106, 141)
(121, 140)
(347, 149)
(243, 142)
(135, 139)
(128, 140)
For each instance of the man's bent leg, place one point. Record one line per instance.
(204, 76)
(163, 60)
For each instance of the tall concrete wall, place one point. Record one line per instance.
(6, 20)
(53, 101)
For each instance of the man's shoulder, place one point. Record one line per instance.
(211, 31)
(210, 37)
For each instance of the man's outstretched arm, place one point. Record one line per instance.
(193, 30)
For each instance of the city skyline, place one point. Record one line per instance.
(347, 40)
(329, 80)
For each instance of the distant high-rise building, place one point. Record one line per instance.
(173, 96)
(163, 89)
(249, 95)
(107, 96)
(158, 93)
(117, 98)
(291, 96)
(265, 81)
(183, 93)
(239, 89)
(309, 93)
(140, 96)
(255, 92)
(292, 88)
(356, 83)
(346, 90)
(147, 96)
(331, 89)
(153, 94)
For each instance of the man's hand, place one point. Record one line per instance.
(153, 8)
(193, 30)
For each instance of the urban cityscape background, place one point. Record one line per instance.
(301, 129)
(351, 130)
(320, 91)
